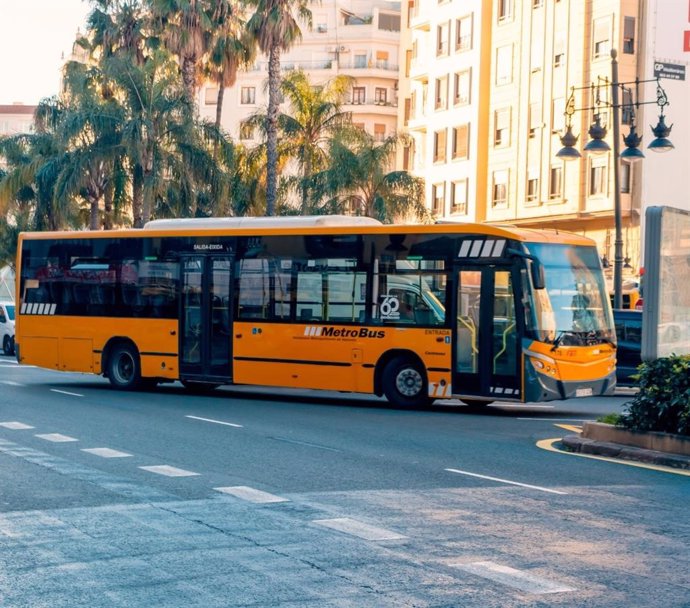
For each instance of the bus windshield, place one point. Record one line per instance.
(573, 309)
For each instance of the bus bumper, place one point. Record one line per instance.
(539, 387)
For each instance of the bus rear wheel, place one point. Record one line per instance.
(124, 368)
(404, 383)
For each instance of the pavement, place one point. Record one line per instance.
(582, 445)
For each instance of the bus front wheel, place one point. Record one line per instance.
(404, 383)
(124, 368)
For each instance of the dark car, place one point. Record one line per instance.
(629, 337)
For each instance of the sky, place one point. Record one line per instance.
(33, 36)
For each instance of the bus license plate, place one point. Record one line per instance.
(583, 392)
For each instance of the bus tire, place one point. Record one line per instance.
(8, 346)
(124, 368)
(404, 383)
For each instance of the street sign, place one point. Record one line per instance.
(672, 71)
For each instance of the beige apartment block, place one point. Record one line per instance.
(444, 102)
(357, 38)
(16, 118)
(498, 136)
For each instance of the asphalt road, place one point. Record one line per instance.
(262, 497)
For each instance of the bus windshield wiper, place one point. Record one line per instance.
(557, 340)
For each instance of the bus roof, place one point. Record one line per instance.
(333, 224)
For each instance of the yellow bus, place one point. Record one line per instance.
(412, 312)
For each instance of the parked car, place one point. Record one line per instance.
(7, 327)
(629, 337)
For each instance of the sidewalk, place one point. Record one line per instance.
(612, 442)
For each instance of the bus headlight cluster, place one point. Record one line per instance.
(544, 367)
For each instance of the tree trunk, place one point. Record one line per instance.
(219, 103)
(138, 196)
(94, 223)
(305, 186)
(108, 206)
(189, 77)
(272, 130)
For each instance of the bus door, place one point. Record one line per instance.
(486, 361)
(206, 318)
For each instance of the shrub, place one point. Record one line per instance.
(663, 401)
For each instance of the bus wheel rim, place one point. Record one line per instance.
(409, 382)
(124, 370)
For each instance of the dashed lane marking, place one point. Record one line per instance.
(168, 471)
(56, 437)
(518, 579)
(106, 453)
(547, 444)
(11, 383)
(251, 494)
(55, 390)
(358, 528)
(15, 426)
(512, 483)
(238, 426)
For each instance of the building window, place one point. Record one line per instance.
(359, 95)
(248, 95)
(389, 23)
(537, 3)
(502, 127)
(556, 183)
(211, 96)
(461, 142)
(440, 146)
(408, 62)
(441, 94)
(443, 39)
(458, 197)
(505, 10)
(438, 195)
(629, 36)
(382, 60)
(322, 28)
(499, 196)
(463, 33)
(380, 96)
(462, 85)
(246, 132)
(360, 60)
(627, 109)
(532, 188)
(559, 53)
(504, 64)
(601, 39)
(535, 118)
(597, 180)
(379, 132)
(626, 177)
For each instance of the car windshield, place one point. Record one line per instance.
(573, 309)
(10, 312)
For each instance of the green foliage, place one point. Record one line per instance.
(663, 401)
(613, 419)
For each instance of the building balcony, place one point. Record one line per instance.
(419, 19)
(373, 106)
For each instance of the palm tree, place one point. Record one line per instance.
(316, 117)
(275, 30)
(358, 180)
(186, 27)
(231, 48)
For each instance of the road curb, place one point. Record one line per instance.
(582, 445)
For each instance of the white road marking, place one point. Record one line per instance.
(238, 426)
(56, 437)
(512, 483)
(560, 419)
(524, 405)
(518, 579)
(251, 494)
(16, 366)
(106, 453)
(55, 390)
(168, 471)
(359, 529)
(11, 383)
(15, 426)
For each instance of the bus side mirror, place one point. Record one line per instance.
(537, 272)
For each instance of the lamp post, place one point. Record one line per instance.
(632, 153)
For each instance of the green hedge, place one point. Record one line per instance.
(663, 401)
